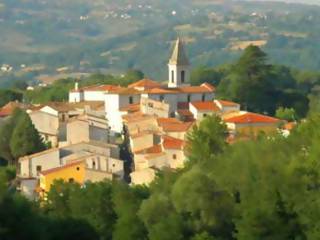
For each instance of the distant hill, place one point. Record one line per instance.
(62, 37)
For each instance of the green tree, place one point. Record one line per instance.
(288, 114)
(207, 139)
(25, 138)
(126, 202)
(249, 82)
(7, 95)
(6, 131)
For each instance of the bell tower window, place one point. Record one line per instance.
(172, 76)
(183, 75)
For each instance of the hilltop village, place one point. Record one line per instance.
(127, 133)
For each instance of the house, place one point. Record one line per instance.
(88, 127)
(201, 109)
(47, 126)
(76, 171)
(251, 124)
(89, 93)
(227, 106)
(101, 161)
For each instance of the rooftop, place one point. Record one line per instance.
(227, 103)
(96, 88)
(249, 117)
(145, 83)
(205, 106)
(172, 143)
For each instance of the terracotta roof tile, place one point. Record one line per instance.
(205, 106)
(172, 143)
(8, 109)
(252, 118)
(162, 121)
(177, 127)
(151, 150)
(145, 83)
(162, 91)
(97, 88)
(46, 172)
(227, 103)
(124, 91)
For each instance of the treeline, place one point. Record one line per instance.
(264, 189)
(263, 87)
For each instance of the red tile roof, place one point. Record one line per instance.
(206, 106)
(145, 83)
(172, 143)
(177, 127)
(227, 103)
(151, 150)
(97, 88)
(162, 121)
(124, 91)
(8, 109)
(161, 91)
(203, 88)
(252, 118)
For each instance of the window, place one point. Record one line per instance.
(130, 100)
(204, 115)
(38, 168)
(174, 156)
(161, 98)
(71, 180)
(203, 97)
(113, 165)
(78, 169)
(93, 164)
(183, 75)
(172, 76)
(150, 105)
(189, 98)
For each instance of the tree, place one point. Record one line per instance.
(204, 74)
(249, 82)
(6, 131)
(126, 202)
(207, 207)
(7, 95)
(25, 138)
(207, 139)
(288, 114)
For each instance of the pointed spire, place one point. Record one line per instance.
(179, 56)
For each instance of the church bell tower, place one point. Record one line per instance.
(179, 67)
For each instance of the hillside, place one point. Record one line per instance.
(56, 38)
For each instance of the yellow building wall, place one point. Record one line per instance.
(254, 130)
(74, 171)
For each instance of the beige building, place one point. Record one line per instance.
(47, 125)
(100, 159)
(87, 128)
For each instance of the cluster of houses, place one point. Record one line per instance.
(153, 119)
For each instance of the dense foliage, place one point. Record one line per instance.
(19, 137)
(265, 189)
